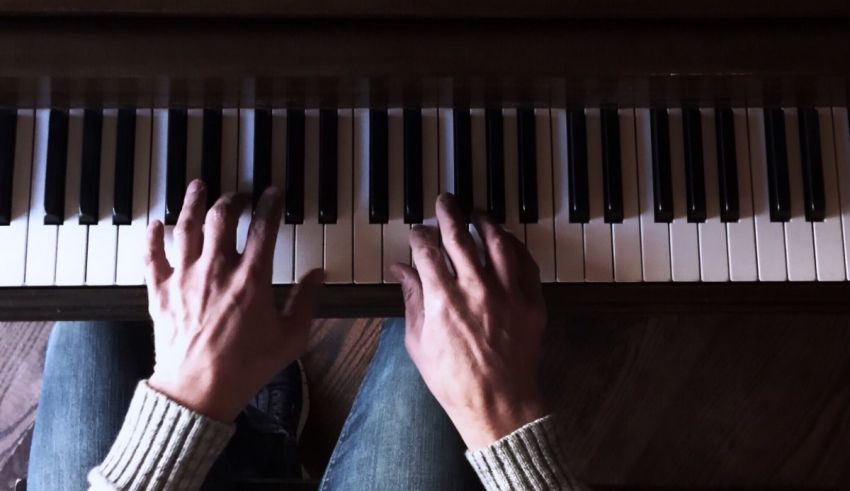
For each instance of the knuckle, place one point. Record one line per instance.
(185, 227)
(454, 235)
(217, 216)
(432, 254)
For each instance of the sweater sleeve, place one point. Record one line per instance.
(528, 458)
(161, 445)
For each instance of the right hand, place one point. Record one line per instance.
(475, 336)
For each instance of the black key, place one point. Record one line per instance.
(90, 168)
(612, 166)
(527, 148)
(328, 166)
(378, 167)
(294, 194)
(694, 166)
(662, 181)
(262, 153)
(463, 161)
(175, 172)
(8, 126)
(54, 176)
(413, 210)
(495, 164)
(211, 155)
(778, 186)
(577, 166)
(727, 166)
(125, 148)
(810, 155)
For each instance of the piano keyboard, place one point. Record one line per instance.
(597, 194)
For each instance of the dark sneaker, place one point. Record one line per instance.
(285, 400)
(265, 445)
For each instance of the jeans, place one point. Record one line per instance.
(395, 437)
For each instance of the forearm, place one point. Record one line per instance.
(528, 458)
(161, 445)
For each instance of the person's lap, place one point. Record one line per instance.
(396, 436)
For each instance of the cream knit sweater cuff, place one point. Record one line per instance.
(161, 445)
(529, 458)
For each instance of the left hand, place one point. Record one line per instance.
(217, 333)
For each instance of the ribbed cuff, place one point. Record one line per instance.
(161, 445)
(528, 458)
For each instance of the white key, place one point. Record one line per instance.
(598, 245)
(478, 129)
(71, 241)
(684, 241)
(511, 155)
(395, 232)
(430, 165)
(13, 237)
(338, 248)
(310, 235)
(655, 237)
(447, 149)
(130, 267)
(159, 165)
(103, 237)
(626, 235)
(41, 238)
(229, 150)
(245, 179)
(770, 236)
(194, 143)
(829, 250)
(159, 158)
(799, 241)
(841, 133)
(284, 247)
(569, 250)
(741, 234)
(540, 236)
(447, 159)
(367, 237)
(713, 256)
(478, 133)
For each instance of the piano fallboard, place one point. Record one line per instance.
(342, 62)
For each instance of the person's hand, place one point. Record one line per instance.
(475, 336)
(217, 333)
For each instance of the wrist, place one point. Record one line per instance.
(482, 429)
(196, 395)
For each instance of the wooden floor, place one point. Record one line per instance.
(649, 401)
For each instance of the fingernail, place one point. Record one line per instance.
(273, 191)
(195, 186)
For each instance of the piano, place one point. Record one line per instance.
(652, 157)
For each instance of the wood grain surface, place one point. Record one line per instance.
(745, 401)
(22, 346)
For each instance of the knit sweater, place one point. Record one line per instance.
(163, 445)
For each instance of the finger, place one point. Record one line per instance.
(262, 235)
(220, 225)
(411, 288)
(456, 239)
(529, 272)
(188, 235)
(157, 268)
(500, 250)
(429, 260)
(303, 301)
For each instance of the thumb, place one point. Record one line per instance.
(411, 288)
(302, 302)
